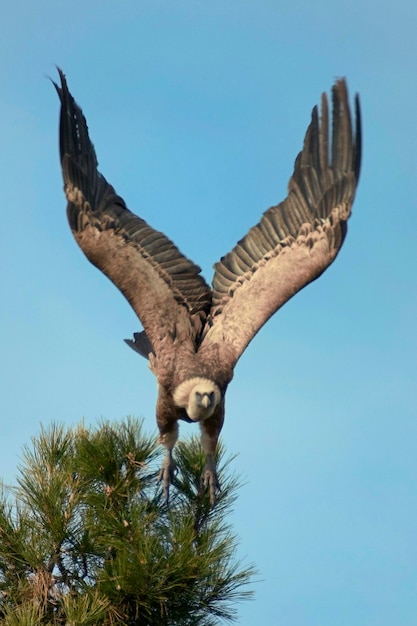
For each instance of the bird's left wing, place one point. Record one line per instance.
(164, 288)
(296, 240)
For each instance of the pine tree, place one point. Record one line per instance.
(87, 539)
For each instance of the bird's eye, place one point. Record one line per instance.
(198, 395)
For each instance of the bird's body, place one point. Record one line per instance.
(193, 334)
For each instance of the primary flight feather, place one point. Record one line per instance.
(194, 335)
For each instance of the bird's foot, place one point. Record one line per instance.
(167, 474)
(209, 479)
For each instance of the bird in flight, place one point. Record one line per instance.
(194, 334)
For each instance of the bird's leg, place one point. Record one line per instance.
(209, 478)
(167, 473)
(169, 467)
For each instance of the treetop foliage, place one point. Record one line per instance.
(87, 538)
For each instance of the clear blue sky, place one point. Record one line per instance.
(197, 111)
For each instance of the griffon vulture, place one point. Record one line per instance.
(194, 335)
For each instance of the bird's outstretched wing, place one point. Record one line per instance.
(296, 240)
(164, 288)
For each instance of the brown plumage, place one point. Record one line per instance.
(194, 335)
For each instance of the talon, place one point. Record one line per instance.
(167, 474)
(210, 481)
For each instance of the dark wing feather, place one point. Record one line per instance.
(296, 240)
(164, 288)
(141, 344)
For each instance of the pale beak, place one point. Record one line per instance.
(205, 401)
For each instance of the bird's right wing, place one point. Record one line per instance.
(296, 240)
(164, 288)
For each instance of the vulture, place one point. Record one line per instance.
(194, 334)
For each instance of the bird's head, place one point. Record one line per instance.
(199, 397)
